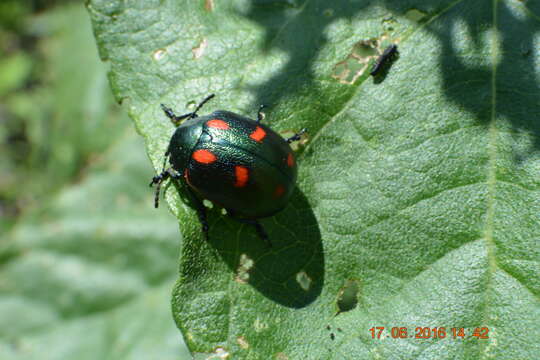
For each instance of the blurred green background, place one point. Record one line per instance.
(86, 263)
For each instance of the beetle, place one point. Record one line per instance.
(233, 161)
(387, 54)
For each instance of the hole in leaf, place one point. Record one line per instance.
(242, 273)
(348, 296)
(303, 280)
(242, 342)
(388, 23)
(159, 54)
(415, 15)
(356, 63)
(219, 354)
(198, 51)
(259, 326)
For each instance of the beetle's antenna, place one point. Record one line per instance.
(194, 114)
(296, 136)
(176, 119)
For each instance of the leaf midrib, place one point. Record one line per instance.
(491, 180)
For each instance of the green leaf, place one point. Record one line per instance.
(418, 194)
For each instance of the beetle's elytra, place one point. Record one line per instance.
(233, 161)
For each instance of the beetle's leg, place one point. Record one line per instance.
(165, 158)
(260, 114)
(296, 136)
(201, 211)
(171, 173)
(258, 227)
(159, 179)
(177, 118)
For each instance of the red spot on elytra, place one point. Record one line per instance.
(279, 191)
(290, 160)
(242, 176)
(218, 124)
(204, 156)
(258, 134)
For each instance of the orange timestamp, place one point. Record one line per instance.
(403, 332)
